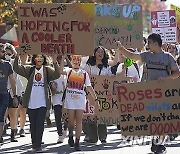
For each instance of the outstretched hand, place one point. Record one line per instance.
(119, 45)
(54, 58)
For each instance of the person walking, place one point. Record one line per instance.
(37, 94)
(160, 65)
(75, 98)
(6, 73)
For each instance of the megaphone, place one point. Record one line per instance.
(128, 62)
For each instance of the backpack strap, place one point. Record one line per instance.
(64, 93)
(136, 66)
(69, 75)
(126, 71)
(84, 77)
(166, 68)
(84, 80)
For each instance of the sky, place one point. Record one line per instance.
(175, 2)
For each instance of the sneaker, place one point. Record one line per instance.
(5, 130)
(92, 142)
(103, 141)
(38, 150)
(61, 139)
(86, 139)
(13, 135)
(154, 148)
(154, 145)
(1, 140)
(71, 141)
(22, 133)
(172, 137)
(161, 149)
(77, 147)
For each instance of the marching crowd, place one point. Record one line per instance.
(34, 84)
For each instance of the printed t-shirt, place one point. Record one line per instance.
(75, 94)
(157, 64)
(37, 97)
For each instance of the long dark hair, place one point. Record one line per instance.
(92, 59)
(33, 59)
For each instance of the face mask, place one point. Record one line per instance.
(7, 57)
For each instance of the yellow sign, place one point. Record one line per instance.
(177, 9)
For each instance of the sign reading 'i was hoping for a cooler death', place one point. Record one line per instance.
(56, 28)
(164, 23)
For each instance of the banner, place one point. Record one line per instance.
(164, 23)
(11, 35)
(108, 113)
(56, 28)
(177, 9)
(118, 23)
(149, 108)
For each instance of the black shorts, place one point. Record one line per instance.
(11, 102)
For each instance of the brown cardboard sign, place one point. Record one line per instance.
(108, 113)
(56, 28)
(149, 108)
(118, 23)
(177, 9)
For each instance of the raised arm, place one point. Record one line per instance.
(54, 74)
(126, 52)
(21, 69)
(62, 65)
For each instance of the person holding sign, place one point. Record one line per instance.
(75, 97)
(6, 73)
(12, 110)
(97, 65)
(37, 95)
(160, 66)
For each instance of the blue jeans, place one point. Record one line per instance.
(4, 102)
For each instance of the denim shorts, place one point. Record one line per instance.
(4, 102)
(11, 105)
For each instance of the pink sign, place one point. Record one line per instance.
(164, 23)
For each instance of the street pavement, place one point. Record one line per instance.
(115, 144)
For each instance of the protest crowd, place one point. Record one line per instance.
(33, 85)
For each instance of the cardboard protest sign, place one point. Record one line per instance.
(149, 108)
(108, 113)
(177, 9)
(118, 23)
(56, 28)
(164, 23)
